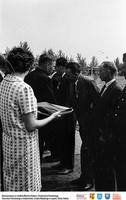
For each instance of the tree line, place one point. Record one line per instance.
(86, 68)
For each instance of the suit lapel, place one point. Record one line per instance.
(102, 90)
(109, 89)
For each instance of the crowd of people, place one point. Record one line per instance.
(25, 134)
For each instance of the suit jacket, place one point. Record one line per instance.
(41, 85)
(55, 82)
(88, 95)
(61, 88)
(103, 113)
(119, 117)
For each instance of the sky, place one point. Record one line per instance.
(89, 27)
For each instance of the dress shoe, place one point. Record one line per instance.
(64, 171)
(50, 159)
(57, 167)
(46, 152)
(81, 183)
(78, 182)
(88, 186)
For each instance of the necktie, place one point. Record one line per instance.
(102, 90)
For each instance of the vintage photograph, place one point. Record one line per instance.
(62, 95)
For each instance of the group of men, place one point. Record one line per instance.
(58, 136)
(66, 87)
(100, 115)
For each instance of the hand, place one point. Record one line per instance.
(56, 115)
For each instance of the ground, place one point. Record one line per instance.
(53, 182)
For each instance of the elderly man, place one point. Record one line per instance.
(119, 121)
(104, 130)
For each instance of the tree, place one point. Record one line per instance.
(93, 64)
(52, 54)
(36, 61)
(7, 50)
(61, 54)
(24, 45)
(71, 59)
(82, 62)
(118, 64)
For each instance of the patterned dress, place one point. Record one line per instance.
(21, 159)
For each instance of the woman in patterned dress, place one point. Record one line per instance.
(18, 112)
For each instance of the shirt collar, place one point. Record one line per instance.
(13, 78)
(63, 74)
(51, 76)
(110, 82)
(76, 82)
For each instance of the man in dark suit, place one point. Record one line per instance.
(61, 82)
(104, 130)
(119, 124)
(83, 97)
(39, 80)
(41, 83)
(66, 125)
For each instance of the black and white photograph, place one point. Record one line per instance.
(62, 96)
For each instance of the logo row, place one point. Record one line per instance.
(99, 196)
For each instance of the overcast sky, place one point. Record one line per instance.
(90, 27)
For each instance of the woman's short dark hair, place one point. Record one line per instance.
(20, 59)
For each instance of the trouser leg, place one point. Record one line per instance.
(86, 164)
(67, 141)
(86, 156)
(121, 165)
(104, 168)
(104, 179)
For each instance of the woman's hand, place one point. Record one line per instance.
(31, 123)
(56, 115)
